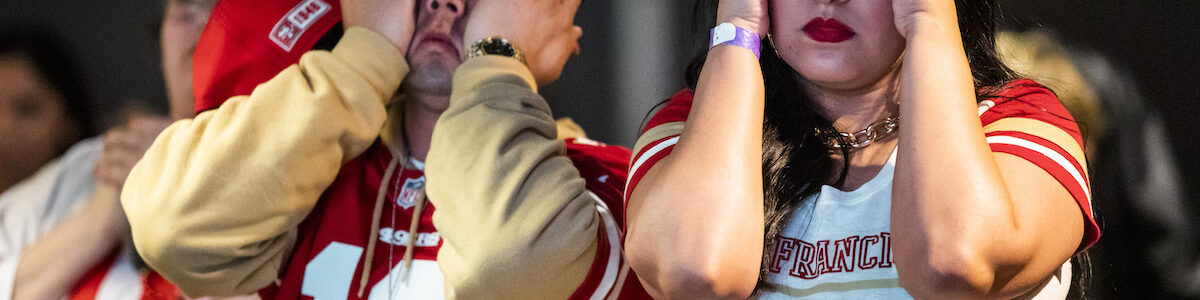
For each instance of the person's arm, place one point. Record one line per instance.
(58, 260)
(513, 211)
(967, 222)
(696, 216)
(515, 216)
(214, 203)
(52, 265)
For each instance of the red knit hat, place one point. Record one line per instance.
(247, 42)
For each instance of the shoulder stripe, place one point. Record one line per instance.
(616, 290)
(1048, 144)
(1067, 141)
(1053, 155)
(1055, 170)
(1063, 176)
(645, 156)
(652, 151)
(657, 133)
(608, 283)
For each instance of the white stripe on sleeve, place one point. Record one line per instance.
(1049, 153)
(608, 282)
(646, 156)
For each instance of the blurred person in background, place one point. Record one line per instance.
(80, 247)
(44, 113)
(45, 105)
(1150, 245)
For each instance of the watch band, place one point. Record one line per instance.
(728, 34)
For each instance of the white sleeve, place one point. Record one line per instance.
(8, 274)
(37, 204)
(22, 217)
(74, 184)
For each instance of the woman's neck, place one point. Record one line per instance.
(854, 110)
(865, 163)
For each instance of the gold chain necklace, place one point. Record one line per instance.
(837, 140)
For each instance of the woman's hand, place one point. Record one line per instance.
(544, 31)
(748, 14)
(394, 19)
(909, 14)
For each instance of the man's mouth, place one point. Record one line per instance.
(441, 40)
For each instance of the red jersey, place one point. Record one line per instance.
(1025, 119)
(328, 257)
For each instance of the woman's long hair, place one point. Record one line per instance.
(794, 163)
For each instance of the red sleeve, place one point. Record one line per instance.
(603, 168)
(676, 110)
(1028, 121)
(659, 136)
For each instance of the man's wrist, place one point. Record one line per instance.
(495, 45)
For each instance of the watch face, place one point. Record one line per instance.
(498, 47)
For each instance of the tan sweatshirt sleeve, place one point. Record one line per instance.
(516, 219)
(215, 202)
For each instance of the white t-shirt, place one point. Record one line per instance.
(837, 245)
(39, 203)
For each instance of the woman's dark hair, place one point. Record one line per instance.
(794, 163)
(55, 65)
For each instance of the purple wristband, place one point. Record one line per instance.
(728, 34)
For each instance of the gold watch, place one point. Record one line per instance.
(495, 45)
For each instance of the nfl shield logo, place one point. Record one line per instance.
(413, 187)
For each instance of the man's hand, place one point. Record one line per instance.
(544, 31)
(124, 146)
(394, 19)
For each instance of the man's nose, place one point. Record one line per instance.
(450, 8)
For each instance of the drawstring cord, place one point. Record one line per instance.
(374, 235)
(413, 226)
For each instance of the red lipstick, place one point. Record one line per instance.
(828, 30)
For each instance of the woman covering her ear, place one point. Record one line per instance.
(877, 149)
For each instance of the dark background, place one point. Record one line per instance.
(1158, 41)
(634, 52)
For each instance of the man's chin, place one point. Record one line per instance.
(434, 85)
(433, 77)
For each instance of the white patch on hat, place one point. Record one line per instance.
(289, 29)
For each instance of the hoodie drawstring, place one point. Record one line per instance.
(413, 226)
(374, 234)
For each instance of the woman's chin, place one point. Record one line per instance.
(834, 80)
